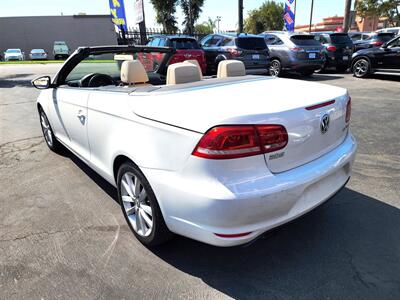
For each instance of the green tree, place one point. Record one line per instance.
(380, 8)
(191, 10)
(165, 14)
(206, 27)
(268, 17)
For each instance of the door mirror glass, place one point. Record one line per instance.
(42, 83)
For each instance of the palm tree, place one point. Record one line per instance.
(165, 14)
(191, 10)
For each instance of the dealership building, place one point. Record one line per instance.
(29, 33)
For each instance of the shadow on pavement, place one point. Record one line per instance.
(15, 83)
(346, 249)
(314, 77)
(385, 77)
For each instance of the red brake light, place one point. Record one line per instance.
(296, 49)
(234, 52)
(331, 48)
(225, 142)
(348, 110)
(377, 43)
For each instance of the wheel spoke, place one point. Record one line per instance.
(130, 210)
(127, 199)
(137, 187)
(148, 221)
(126, 182)
(142, 223)
(147, 209)
(142, 196)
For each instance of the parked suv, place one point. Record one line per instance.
(187, 48)
(60, 50)
(372, 39)
(250, 49)
(293, 52)
(338, 49)
(383, 59)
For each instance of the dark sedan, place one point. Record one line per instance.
(372, 40)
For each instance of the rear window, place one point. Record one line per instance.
(251, 43)
(184, 44)
(385, 36)
(304, 40)
(340, 39)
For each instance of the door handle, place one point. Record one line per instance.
(81, 117)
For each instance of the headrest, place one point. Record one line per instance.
(196, 63)
(231, 68)
(132, 71)
(182, 73)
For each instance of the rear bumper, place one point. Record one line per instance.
(200, 207)
(299, 66)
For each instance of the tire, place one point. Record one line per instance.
(275, 68)
(48, 133)
(149, 228)
(361, 68)
(307, 73)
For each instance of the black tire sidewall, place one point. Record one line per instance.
(160, 232)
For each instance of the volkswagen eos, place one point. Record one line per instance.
(220, 160)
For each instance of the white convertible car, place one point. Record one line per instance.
(220, 160)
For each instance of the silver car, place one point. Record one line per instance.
(38, 54)
(295, 52)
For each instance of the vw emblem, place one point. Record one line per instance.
(324, 123)
(187, 55)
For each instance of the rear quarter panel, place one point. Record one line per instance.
(113, 130)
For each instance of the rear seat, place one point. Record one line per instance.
(184, 72)
(230, 68)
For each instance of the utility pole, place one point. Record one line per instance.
(218, 20)
(311, 13)
(346, 20)
(240, 16)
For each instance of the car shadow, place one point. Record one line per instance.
(345, 249)
(14, 83)
(386, 77)
(314, 77)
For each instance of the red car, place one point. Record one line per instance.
(187, 48)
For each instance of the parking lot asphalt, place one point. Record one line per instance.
(63, 236)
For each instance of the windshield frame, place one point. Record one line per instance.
(84, 52)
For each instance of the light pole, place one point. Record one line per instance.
(311, 13)
(218, 20)
(346, 20)
(240, 16)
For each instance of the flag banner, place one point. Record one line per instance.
(289, 15)
(117, 11)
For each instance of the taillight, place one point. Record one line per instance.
(234, 52)
(348, 110)
(331, 48)
(377, 43)
(297, 49)
(224, 142)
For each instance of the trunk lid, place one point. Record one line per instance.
(255, 100)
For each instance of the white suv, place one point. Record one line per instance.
(13, 54)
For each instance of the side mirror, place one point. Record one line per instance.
(42, 83)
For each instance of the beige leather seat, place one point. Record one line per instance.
(183, 72)
(196, 63)
(230, 68)
(133, 73)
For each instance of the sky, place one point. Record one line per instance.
(226, 9)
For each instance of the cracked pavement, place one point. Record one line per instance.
(63, 236)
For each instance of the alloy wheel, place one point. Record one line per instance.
(136, 204)
(275, 68)
(47, 133)
(361, 68)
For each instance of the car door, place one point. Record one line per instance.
(211, 48)
(69, 118)
(389, 57)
